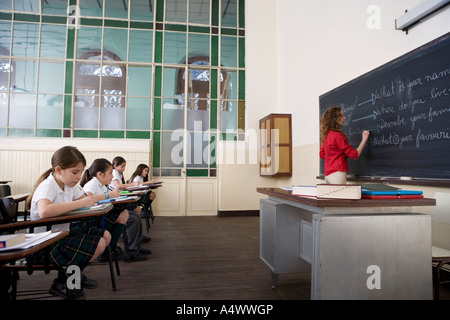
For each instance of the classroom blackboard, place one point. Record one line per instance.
(406, 106)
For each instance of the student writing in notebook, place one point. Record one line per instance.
(56, 192)
(334, 147)
(94, 182)
(135, 237)
(141, 176)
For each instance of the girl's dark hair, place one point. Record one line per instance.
(117, 161)
(329, 122)
(65, 157)
(138, 172)
(99, 165)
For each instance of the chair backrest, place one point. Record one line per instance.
(8, 210)
(5, 190)
(441, 212)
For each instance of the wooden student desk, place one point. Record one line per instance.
(354, 249)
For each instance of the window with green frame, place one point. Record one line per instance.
(124, 69)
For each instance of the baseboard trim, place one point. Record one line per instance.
(238, 213)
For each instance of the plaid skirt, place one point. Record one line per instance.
(78, 247)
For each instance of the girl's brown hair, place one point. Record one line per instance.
(117, 161)
(329, 122)
(138, 172)
(65, 157)
(99, 165)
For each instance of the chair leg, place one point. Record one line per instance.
(111, 270)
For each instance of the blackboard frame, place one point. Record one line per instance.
(412, 55)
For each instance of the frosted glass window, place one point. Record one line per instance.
(6, 5)
(141, 46)
(176, 10)
(174, 47)
(229, 85)
(22, 111)
(170, 77)
(26, 77)
(172, 114)
(196, 145)
(116, 9)
(138, 113)
(53, 41)
(139, 81)
(3, 109)
(25, 39)
(112, 118)
(26, 5)
(85, 117)
(91, 8)
(199, 11)
(89, 39)
(55, 7)
(229, 13)
(228, 118)
(228, 48)
(51, 77)
(50, 111)
(198, 120)
(115, 40)
(5, 37)
(142, 10)
(199, 46)
(172, 153)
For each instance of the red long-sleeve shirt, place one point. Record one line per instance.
(335, 150)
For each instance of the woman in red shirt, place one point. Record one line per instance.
(334, 147)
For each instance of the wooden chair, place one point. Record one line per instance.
(8, 212)
(440, 256)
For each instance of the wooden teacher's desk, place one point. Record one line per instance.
(354, 249)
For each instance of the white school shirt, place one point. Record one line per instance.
(116, 176)
(139, 179)
(95, 187)
(49, 189)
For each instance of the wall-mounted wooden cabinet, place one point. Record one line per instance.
(276, 145)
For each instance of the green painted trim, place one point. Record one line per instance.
(116, 23)
(91, 22)
(138, 134)
(197, 172)
(141, 25)
(158, 46)
(85, 133)
(112, 134)
(54, 19)
(157, 114)
(27, 17)
(67, 111)
(241, 14)
(175, 27)
(156, 148)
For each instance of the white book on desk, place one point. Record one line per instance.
(31, 240)
(304, 191)
(339, 191)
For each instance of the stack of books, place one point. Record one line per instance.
(382, 191)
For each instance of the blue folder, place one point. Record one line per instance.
(390, 192)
